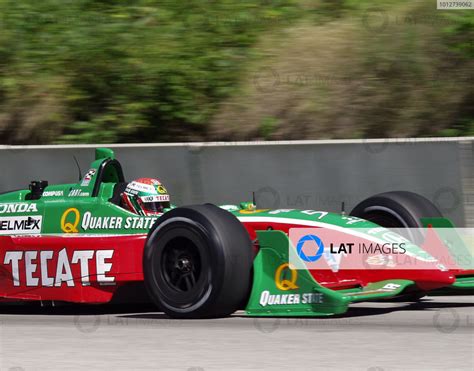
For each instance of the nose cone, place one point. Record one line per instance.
(425, 279)
(430, 280)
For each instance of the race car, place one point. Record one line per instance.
(104, 239)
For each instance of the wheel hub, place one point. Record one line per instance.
(181, 264)
(184, 265)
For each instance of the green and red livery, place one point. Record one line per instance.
(77, 243)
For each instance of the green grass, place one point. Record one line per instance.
(146, 70)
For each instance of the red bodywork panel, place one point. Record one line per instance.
(91, 268)
(428, 279)
(41, 268)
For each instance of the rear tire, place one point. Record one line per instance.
(398, 209)
(197, 262)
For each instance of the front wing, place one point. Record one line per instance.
(279, 290)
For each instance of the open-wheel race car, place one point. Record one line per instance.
(104, 239)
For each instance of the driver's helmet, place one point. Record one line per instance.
(146, 196)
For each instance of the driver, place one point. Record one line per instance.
(145, 196)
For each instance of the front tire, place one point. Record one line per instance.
(197, 262)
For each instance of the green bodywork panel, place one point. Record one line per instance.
(296, 293)
(74, 208)
(462, 254)
(464, 283)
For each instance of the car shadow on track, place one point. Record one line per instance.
(74, 309)
(149, 311)
(422, 305)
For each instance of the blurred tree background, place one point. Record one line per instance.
(108, 71)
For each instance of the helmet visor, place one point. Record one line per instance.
(155, 207)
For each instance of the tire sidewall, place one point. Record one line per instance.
(406, 207)
(225, 274)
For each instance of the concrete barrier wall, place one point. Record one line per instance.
(305, 174)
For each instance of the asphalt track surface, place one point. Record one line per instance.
(435, 334)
